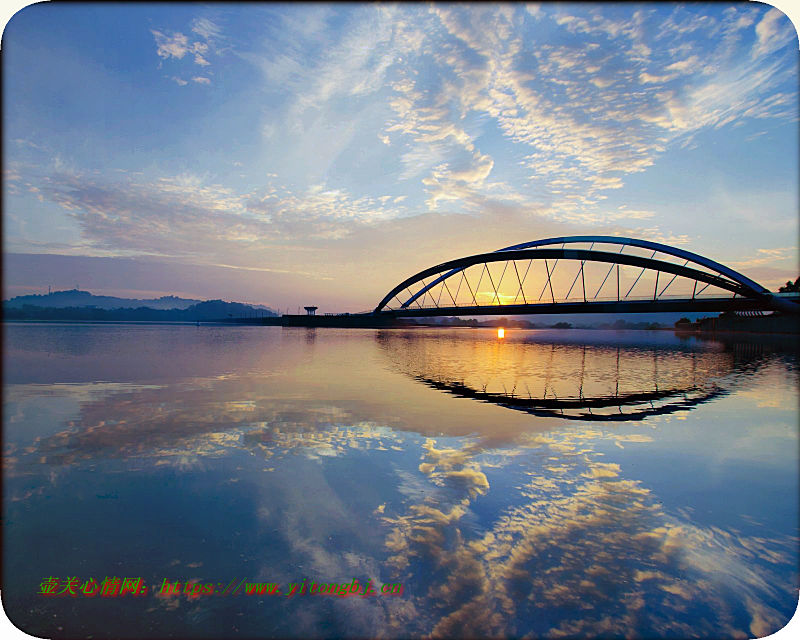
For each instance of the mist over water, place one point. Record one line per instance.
(548, 483)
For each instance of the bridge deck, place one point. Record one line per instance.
(593, 306)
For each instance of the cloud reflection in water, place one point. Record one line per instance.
(544, 527)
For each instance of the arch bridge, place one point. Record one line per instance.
(580, 274)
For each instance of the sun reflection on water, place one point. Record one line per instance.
(549, 529)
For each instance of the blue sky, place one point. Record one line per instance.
(296, 154)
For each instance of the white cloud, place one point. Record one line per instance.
(175, 45)
(774, 31)
(206, 28)
(683, 65)
(635, 214)
(646, 78)
(477, 173)
(768, 257)
(484, 109)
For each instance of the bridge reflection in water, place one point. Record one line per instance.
(314, 454)
(566, 379)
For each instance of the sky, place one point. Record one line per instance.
(321, 153)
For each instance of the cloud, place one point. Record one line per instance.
(768, 256)
(520, 115)
(585, 117)
(634, 214)
(321, 212)
(774, 31)
(578, 153)
(581, 535)
(175, 45)
(683, 65)
(187, 214)
(646, 78)
(206, 28)
(167, 216)
(480, 170)
(574, 534)
(353, 66)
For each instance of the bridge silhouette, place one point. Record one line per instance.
(624, 407)
(579, 274)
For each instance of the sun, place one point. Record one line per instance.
(501, 333)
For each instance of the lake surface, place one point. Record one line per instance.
(551, 483)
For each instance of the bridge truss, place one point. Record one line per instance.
(579, 274)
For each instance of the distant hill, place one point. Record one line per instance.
(77, 298)
(82, 305)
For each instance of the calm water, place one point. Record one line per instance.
(551, 483)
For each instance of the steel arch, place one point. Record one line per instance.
(724, 278)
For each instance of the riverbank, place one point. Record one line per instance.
(775, 323)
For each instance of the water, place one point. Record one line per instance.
(550, 483)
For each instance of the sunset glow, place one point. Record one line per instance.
(319, 154)
(258, 264)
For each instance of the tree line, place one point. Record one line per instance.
(206, 311)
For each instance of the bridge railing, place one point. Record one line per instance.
(520, 301)
(427, 287)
